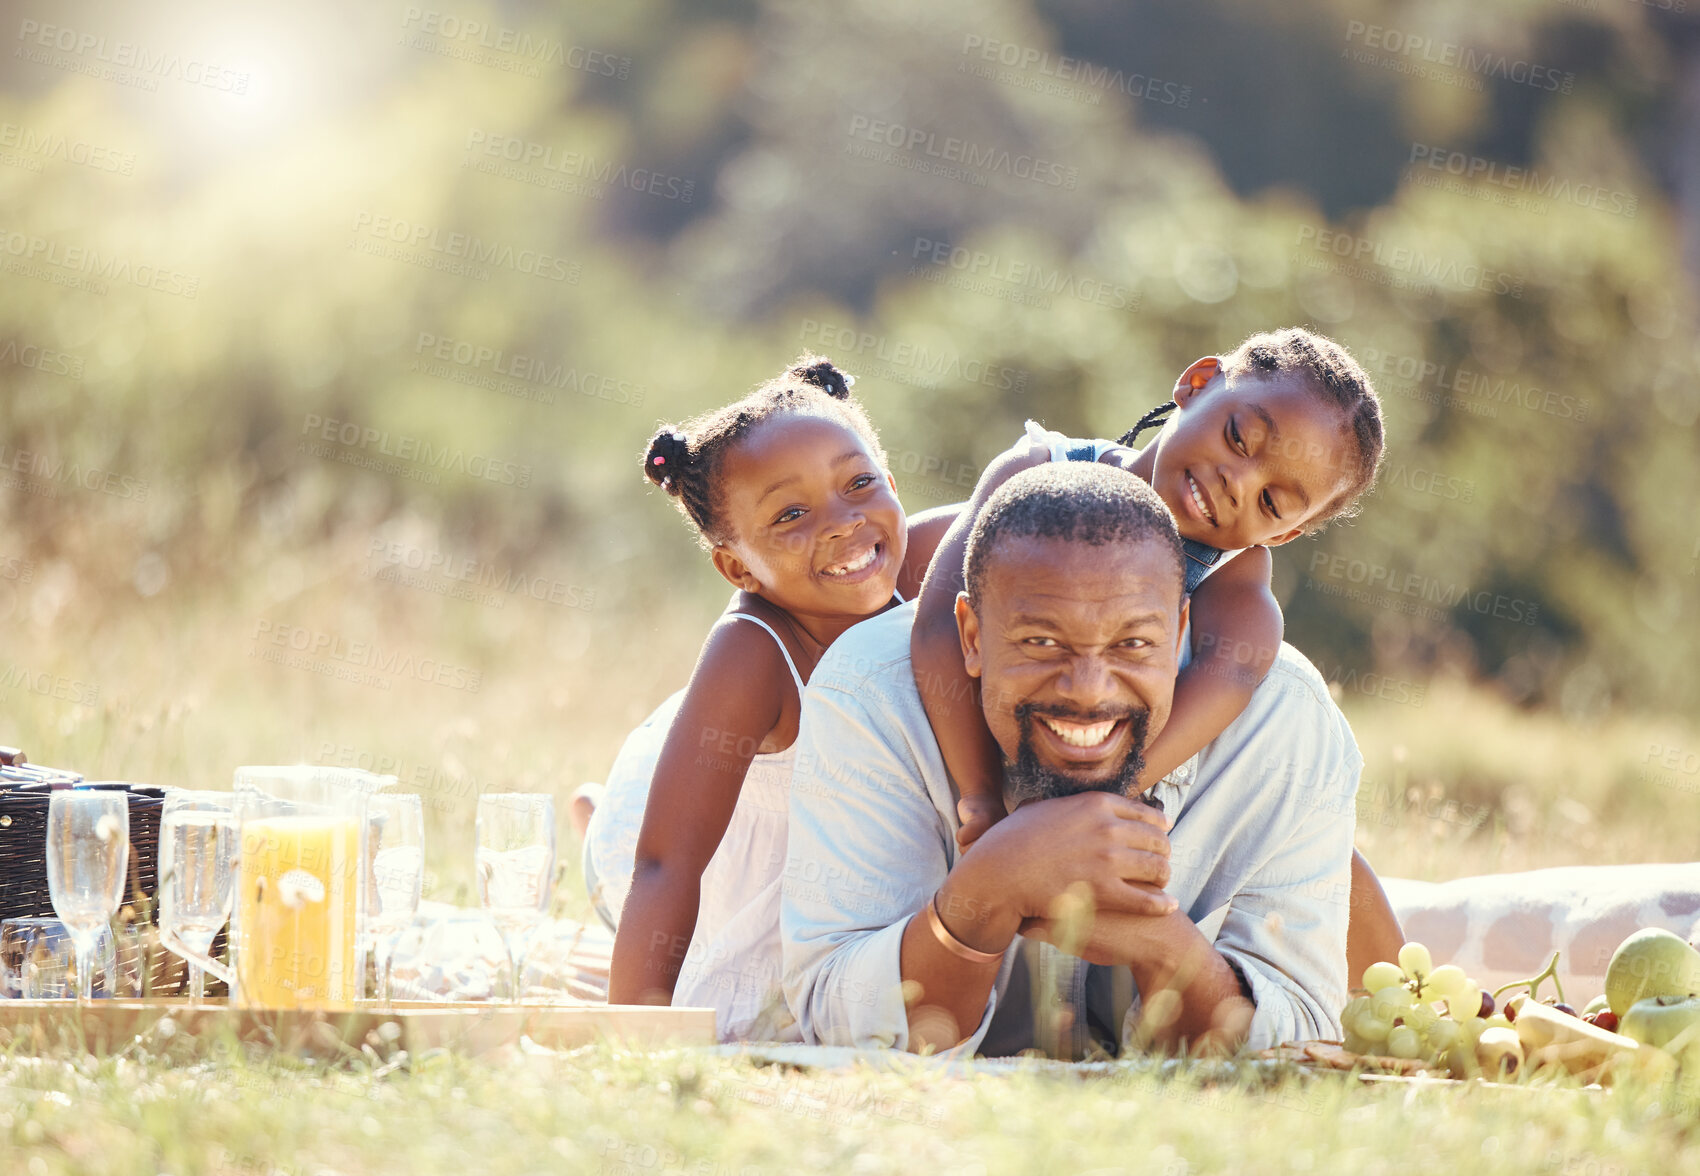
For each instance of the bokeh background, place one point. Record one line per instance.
(330, 334)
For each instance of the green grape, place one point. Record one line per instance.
(1421, 1017)
(1471, 1028)
(1355, 1044)
(1443, 1036)
(1371, 1027)
(1446, 982)
(1382, 975)
(1465, 1005)
(1390, 1002)
(1403, 1042)
(1415, 961)
(1354, 1007)
(1497, 1021)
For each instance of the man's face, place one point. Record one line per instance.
(1076, 648)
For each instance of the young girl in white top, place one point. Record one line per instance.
(788, 490)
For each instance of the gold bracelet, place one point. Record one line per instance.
(951, 943)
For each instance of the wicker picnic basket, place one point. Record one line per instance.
(25, 792)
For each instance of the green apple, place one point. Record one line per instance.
(1651, 962)
(1672, 1023)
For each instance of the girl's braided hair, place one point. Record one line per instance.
(1330, 372)
(684, 460)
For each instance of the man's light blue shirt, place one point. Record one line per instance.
(1260, 850)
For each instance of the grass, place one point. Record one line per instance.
(597, 1110)
(1462, 784)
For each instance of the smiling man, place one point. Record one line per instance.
(1221, 921)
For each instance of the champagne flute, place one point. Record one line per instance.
(88, 851)
(516, 865)
(197, 876)
(397, 845)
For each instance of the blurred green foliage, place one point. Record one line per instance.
(719, 185)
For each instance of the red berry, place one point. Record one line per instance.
(1510, 1012)
(1564, 1008)
(1607, 1020)
(1487, 1004)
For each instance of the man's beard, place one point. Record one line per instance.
(1028, 779)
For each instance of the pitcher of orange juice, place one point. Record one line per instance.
(295, 933)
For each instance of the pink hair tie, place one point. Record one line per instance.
(658, 460)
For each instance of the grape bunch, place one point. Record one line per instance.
(1399, 1016)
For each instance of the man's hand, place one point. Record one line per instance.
(1109, 847)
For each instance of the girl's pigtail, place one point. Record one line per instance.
(668, 459)
(823, 375)
(1151, 420)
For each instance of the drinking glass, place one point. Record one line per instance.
(396, 841)
(459, 956)
(88, 850)
(35, 960)
(197, 876)
(515, 865)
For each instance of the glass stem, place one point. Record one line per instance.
(85, 969)
(383, 948)
(197, 985)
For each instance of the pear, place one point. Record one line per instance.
(1670, 1022)
(1651, 962)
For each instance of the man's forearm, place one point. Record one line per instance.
(945, 993)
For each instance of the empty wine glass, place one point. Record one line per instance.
(197, 867)
(516, 864)
(88, 851)
(396, 841)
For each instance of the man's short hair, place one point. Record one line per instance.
(1081, 502)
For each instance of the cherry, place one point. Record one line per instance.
(1607, 1020)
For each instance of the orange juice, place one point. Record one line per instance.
(298, 895)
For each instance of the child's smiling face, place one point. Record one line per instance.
(1251, 461)
(814, 521)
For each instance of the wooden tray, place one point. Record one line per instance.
(108, 1026)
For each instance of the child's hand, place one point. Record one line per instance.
(977, 814)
